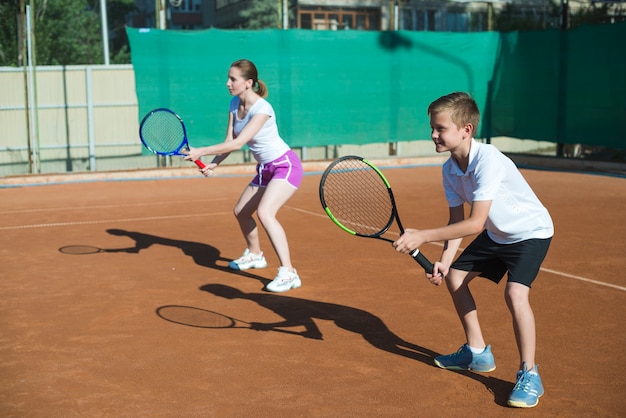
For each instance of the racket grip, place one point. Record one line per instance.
(422, 261)
(200, 164)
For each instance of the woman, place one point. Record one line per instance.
(252, 122)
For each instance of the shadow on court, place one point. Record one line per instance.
(202, 254)
(298, 313)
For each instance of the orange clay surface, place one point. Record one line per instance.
(126, 332)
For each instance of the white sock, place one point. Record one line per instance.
(476, 350)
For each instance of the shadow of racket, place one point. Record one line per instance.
(204, 318)
(90, 249)
(81, 249)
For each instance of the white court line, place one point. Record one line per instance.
(583, 279)
(168, 202)
(558, 273)
(103, 221)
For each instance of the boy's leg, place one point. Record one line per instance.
(528, 386)
(518, 302)
(524, 260)
(458, 286)
(474, 355)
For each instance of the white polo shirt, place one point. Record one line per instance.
(267, 145)
(516, 213)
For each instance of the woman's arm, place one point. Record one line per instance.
(229, 137)
(230, 144)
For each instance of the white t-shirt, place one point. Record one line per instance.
(516, 214)
(266, 145)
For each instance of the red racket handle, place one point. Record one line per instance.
(200, 164)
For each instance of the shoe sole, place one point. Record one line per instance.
(464, 368)
(233, 266)
(521, 404)
(295, 286)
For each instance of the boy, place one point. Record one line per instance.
(515, 233)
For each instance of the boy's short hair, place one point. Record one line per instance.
(463, 109)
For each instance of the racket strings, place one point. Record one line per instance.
(163, 132)
(358, 197)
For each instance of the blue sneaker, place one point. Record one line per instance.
(464, 359)
(528, 388)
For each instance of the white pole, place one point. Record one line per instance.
(105, 30)
(91, 136)
(162, 16)
(395, 15)
(31, 92)
(285, 14)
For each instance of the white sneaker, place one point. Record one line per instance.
(284, 281)
(248, 261)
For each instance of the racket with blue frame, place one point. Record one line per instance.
(163, 132)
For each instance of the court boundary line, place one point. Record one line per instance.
(102, 221)
(164, 202)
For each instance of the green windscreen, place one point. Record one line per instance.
(359, 87)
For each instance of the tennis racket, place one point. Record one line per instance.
(357, 197)
(163, 132)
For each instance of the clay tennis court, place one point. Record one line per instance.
(126, 331)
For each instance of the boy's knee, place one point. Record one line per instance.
(516, 294)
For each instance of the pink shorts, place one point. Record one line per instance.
(286, 167)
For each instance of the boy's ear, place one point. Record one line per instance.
(469, 129)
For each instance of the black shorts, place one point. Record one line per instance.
(492, 260)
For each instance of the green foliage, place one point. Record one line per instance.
(515, 17)
(117, 10)
(9, 48)
(67, 32)
(599, 13)
(520, 17)
(262, 14)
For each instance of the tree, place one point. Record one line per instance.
(9, 16)
(67, 32)
(522, 17)
(117, 12)
(264, 14)
(599, 13)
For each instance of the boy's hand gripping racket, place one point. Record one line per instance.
(357, 197)
(163, 132)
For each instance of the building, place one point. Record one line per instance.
(419, 15)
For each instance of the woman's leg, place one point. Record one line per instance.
(244, 209)
(277, 193)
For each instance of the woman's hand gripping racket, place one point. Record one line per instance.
(163, 132)
(358, 199)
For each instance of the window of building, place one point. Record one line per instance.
(418, 19)
(457, 22)
(322, 18)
